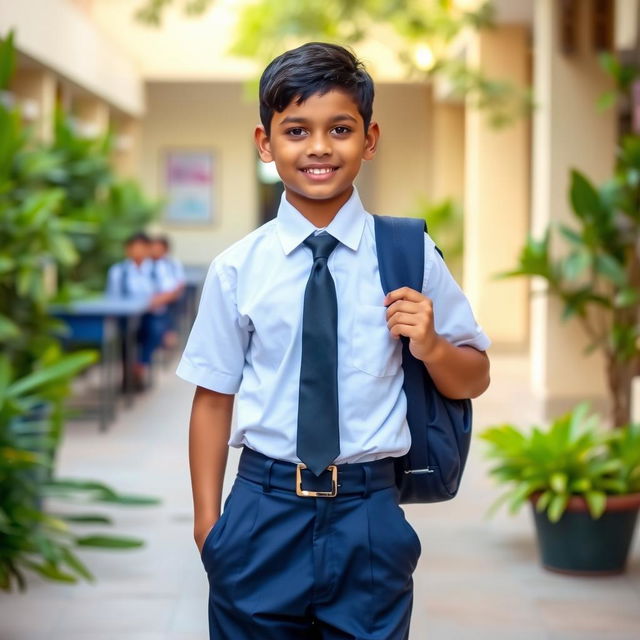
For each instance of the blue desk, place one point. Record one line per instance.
(103, 322)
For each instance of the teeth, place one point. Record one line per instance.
(318, 171)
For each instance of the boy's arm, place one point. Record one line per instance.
(457, 371)
(209, 431)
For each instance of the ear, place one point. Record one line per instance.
(263, 143)
(371, 140)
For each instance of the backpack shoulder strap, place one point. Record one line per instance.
(124, 279)
(400, 249)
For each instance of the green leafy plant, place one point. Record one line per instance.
(574, 456)
(42, 191)
(99, 210)
(31, 537)
(597, 277)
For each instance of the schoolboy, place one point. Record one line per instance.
(169, 269)
(133, 277)
(161, 253)
(326, 553)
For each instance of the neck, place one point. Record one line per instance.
(318, 212)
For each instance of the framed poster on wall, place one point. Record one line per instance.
(190, 185)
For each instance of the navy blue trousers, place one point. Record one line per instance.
(283, 567)
(152, 328)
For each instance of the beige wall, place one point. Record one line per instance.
(217, 115)
(402, 168)
(57, 34)
(447, 147)
(204, 115)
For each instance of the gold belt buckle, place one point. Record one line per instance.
(317, 494)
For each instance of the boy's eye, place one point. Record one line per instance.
(295, 131)
(341, 129)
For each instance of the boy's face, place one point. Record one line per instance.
(138, 251)
(318, 147)
(158, 250)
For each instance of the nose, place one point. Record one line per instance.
(318, 145)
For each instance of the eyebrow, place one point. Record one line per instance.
(336, 118)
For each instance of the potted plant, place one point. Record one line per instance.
(583, 483)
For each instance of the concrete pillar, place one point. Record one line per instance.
(126, 146)
(568, 132)
(91, 116)
(497, 193)
(35, 92)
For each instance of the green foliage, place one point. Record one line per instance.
(151, 11)
(598, 270)
(99, 211)
(502, 102)
(266, 28)
(58, 206)
(32, 235)
(7, 61)
(30, 537)
(596, 273)
(623, 76)
(573, 456)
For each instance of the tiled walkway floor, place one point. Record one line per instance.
(477, 578)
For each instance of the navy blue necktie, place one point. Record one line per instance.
(125, 288)
(318, 442)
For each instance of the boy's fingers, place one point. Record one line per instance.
(407, 330)
(403, 318)
(403, 305)
(404, 293)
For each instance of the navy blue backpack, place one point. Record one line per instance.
(440, 427)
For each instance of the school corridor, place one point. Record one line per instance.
(477, 579)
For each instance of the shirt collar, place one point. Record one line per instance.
(130, 264)
(346, 226)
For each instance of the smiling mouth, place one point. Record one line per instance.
(319, 171)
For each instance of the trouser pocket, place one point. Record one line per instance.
(215, 531)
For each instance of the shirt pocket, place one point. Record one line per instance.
(373, 349)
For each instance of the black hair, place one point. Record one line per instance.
(314, 68)
(163, 240)
(138, 236)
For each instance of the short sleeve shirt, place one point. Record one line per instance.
(126, 279)
(247, 336)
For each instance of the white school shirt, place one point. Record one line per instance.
(247, 336)
(162, 280)
(175, 269)
(126, 279)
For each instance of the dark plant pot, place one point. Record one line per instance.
(580, 545)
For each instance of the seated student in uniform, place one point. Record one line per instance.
(312, 542)
(133, 278)
(161, 251)
(171, 272)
